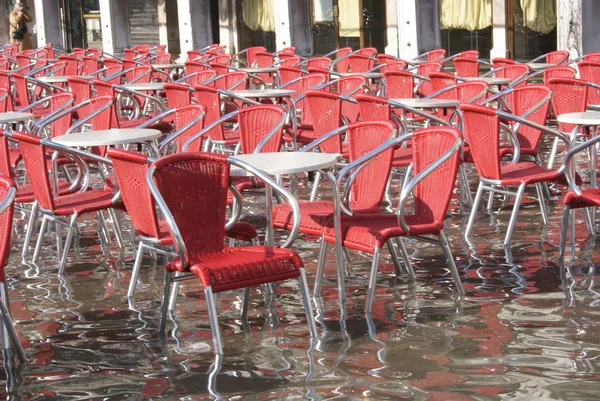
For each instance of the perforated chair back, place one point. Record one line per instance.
(569, 95)
(287, 74)
(211, 100)
(481, 131)
(424, 69)
(256, 122)
(7, 186)
(373, 108)
(177, 95)
(325, 111)
(319, 62)
(399, 84)
(360, 63)
(351, 86)
(343, 63)
(534, 101)
(466, 67)
(589, 71)
(436, 55)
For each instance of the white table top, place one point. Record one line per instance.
(168, 66)
(540, 66)
(489, 80)
(265, 93)
(425, 103)
(583, 118)
(152, 86)
(13, 117)
(415, 62)
(285, 162)
(109, 137)
(59, 79)
(368, 75)
(258, 70)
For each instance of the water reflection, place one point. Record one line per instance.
(527, 328)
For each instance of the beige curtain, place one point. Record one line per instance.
(465, 14)
(350, 16)
(259, 15)
(539, 15)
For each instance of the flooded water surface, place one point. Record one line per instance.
(520, 333)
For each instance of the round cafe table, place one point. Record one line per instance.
(265, 93)
(368, 75)
(109, 137)
(416, 103)
(540, 66)
(11, 117)
(497, 81)
(151, 86)
(62, 79)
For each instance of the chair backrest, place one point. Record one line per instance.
(470, 54)
(466, 67)
(223, 59)
(373, 108)
(23, 60)
(194, 66)
(183, 116)
(343, 63)
(436, 55)
(385, 58)
(557, 57)
(3, 100)
(325, 111)
(139, 74)
(163, 58)
(209, 97)
(399, 84)
(82, 90)
(592, 56)
(73, 65)
(201, 78)
(290, 61)
(397, 65)
(360, 62)
(569, 95)
(432, 195)
(590, 71)
(6, 168)
(263, 59)
(34, 157)
(481, 130)
(287, 74)
(471, 92)
(6, 221)
(131, 169)
(532, 102)
(255, 122)
(251, 54)
(194, 54)
(90, 64)
(193, 187)
(177, 95)
(61, 101)
(441, 80)
(370, 184)
(367, 51)
(236, 80)
(319, 62)
(498, 62)
(112, 74)
(513, 71)
(424, 69)
(565, 72)
(351, 86)
(21, 94)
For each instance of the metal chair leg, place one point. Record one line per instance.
(8, 328)
(116, 223)
(165, 302)
(513, 216)
(245, 301)
(395, 258)
(450, 259)
(316, 181)
(40, 240)
(553, 153)
(310, 318)
(174, 293)
(372, 280)
(68, 243)
(139, 256)
(542, 201)
(465, 189)
(30, 227)
(474, 210)
(214, 323)
(563, 235)
(320, 267)
(412, 277)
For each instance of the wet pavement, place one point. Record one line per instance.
(521, 333)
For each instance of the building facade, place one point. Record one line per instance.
(520, 29)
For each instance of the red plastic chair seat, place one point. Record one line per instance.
(83, 202)
(241, 267)
(588, 198)
(25, 192)
(365, 232)
(527, 172)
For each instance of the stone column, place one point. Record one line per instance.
(500, 48)
(418, 27)
(47, 23)
(195, 27)
(391, 13)
(114, 18)
(569, 30)
(163, 31)
(168, 26)
(228, 25)
(5, 8)
(301, 27)
(283, 29)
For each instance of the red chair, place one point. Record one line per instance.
(424, 69)
(197, 225)
(195, 66)
(433, 55)
(131, 169)
(466, 67)
(563, 72)
(319, 62)
(89, 65)
(398, 65)
(237, 80)
(481, 129)
(399, 84)
(435, 163)
(7, 198)
(498, 62)
(589, 71)
(349, 87)
(69, 206)
(199, 78)
(470, 54)
(264, 60)
(360, 63)
(341, 63)
(556, 57)
(287, 74)
(441, 80)
(74, 65)
(177, 94)
(250, 54)
(592, 56)
(292, 61)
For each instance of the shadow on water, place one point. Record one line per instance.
(523, 331)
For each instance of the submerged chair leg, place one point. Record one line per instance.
(542, 201)
(310, 318)
(165, 302)
(395, 258)
(452, 266)
(372, 280)
(68, 243)
(174, 293)
(474, 210)
(513, 216)
(30, 227)
(408, 266)
(40, 240)
(8, 329)
(214, 322)
(563, 235)
(245, 301)
(136, 270)
(320, 267)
